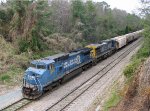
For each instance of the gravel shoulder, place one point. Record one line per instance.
(84, 102)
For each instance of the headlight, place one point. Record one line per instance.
(38, 76)
(31, 77)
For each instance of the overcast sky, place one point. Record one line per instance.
(128, 5)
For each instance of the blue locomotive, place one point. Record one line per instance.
(52, 70)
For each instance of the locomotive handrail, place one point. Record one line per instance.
(38, 84)
(24, 82)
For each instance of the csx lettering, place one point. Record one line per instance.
(72, 62)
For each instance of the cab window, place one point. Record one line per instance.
(51, 68)
(41, 67)
(33, 65)
(38, 66)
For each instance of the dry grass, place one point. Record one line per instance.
(11, 64)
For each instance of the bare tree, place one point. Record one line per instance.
(61, 14)
(145, 10)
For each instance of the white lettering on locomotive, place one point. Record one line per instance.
(72, 62)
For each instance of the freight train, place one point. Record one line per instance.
(45, 73)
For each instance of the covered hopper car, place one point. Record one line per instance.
(121, 41)
(129, 37)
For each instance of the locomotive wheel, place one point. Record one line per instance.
(31, 94)
(94, 62)
(84, 68)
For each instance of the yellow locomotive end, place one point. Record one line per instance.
(93, 51)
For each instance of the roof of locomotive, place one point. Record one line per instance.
(42, 62)
(47, 60)
(107, 40)
(96, 45)
(119, 37)
(57, 57)
(80, 50)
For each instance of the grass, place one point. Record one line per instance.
(12, 76)
(131, 68)
(136, 61)
(5, 78)
(112, 101)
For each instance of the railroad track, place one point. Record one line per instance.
(77, 91)
(17, 105)
(69, 98)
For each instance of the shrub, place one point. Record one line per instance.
(131, 68)
(23, 46)
(112, 101)
(5, 78)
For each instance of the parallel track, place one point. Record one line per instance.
(76, 91)
(69, 98)
(17, 105)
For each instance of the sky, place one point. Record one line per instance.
(128, 5)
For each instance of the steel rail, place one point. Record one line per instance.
(17, 105)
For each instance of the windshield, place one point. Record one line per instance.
(41, 67)
(33, 65)
(38, 66)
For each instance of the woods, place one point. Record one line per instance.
(145, 11)
(26, 24)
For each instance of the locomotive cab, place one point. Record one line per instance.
(33, 80)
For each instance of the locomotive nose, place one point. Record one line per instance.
(32, 87)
